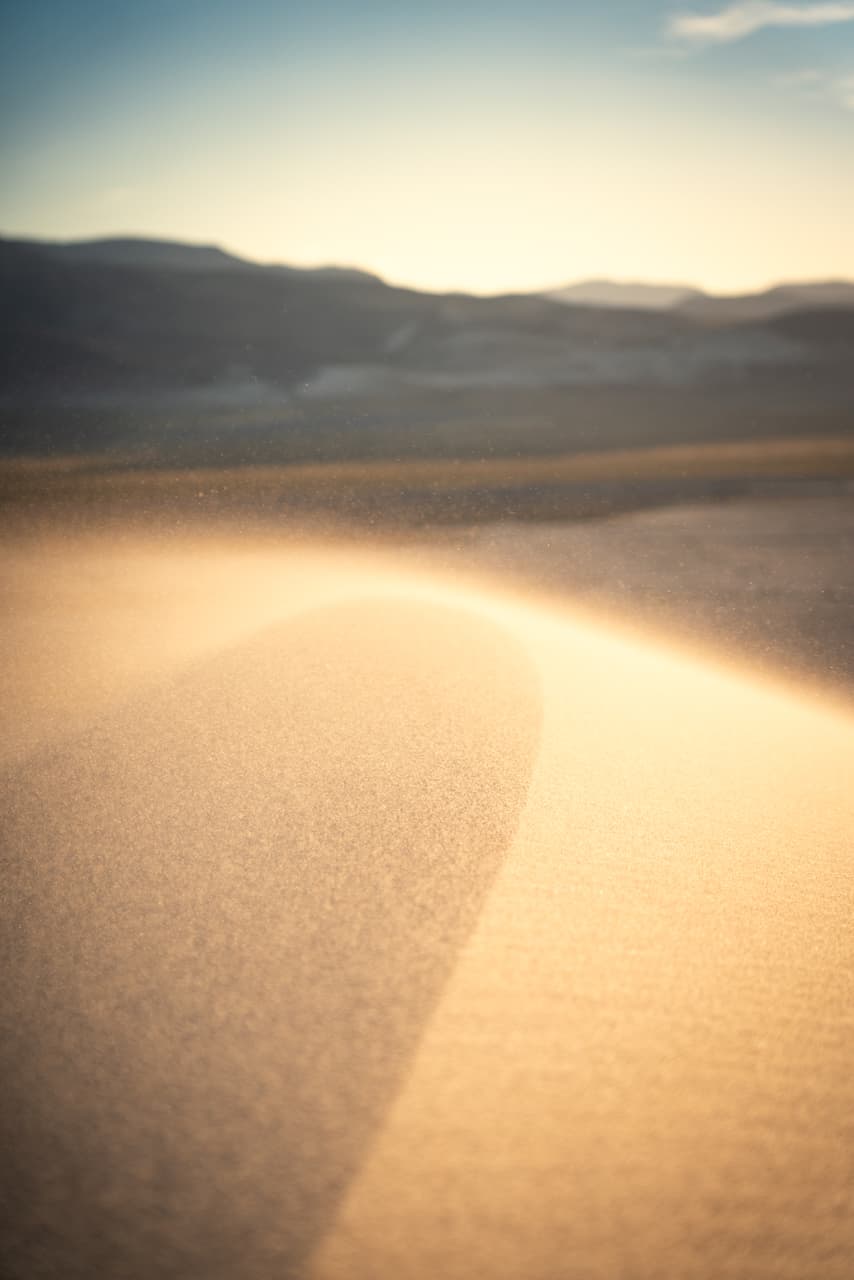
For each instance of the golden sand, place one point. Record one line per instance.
(628, 1056)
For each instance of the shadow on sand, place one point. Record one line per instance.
(230, 909)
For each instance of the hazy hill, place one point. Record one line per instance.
(835, 294)
(706, 307)
(613, 293)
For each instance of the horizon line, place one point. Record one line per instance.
(239, 255)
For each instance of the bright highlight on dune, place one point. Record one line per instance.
(373, 920)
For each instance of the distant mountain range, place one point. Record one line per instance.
(718, 308)
(168, 328)
(622, 295)
(139, 316)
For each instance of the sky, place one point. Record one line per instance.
(486, 145)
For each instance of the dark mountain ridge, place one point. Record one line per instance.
(127, 315)
(187, 350)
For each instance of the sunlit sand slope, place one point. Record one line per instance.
(362, 922)
(642, 1065)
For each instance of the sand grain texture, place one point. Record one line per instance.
(379, 924)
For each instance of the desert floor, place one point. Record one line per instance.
(473, 902)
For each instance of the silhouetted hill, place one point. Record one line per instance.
(135, 316)
(135, 251)
(130, 251)
(139, 317)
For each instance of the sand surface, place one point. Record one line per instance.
(362, 919)
(770, 583)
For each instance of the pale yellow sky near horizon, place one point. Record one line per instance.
(494, 211)
(488, 217)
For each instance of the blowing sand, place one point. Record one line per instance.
(363, 921)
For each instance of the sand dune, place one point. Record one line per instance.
(363, 921)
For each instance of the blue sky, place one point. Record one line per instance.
(474, 145)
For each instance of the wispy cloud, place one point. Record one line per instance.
(737, 21)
